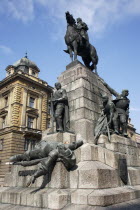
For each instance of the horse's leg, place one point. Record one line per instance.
(86, 62)
(75, 49)
(70, 52)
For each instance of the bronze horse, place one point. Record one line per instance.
(73, 42)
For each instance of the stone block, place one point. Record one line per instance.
(65, 137)
(95, 152)
(112, 158)
(124, 194)
(57, 199)
(133, 150)
(112, 146)
(30, 198)
(37, 199)
(80, 196)
(2, 189)
(78, 155)
(133, 160)
(54, 137)
(122, 140)
(68, 138)
(45, 194)
(97, 175)
(5, 197)
(82, 92)
(24, 196)
(15, 179)
(92, 152)
(86, 152)
(122, 148)
(101, 154)
(7, 179)
(85, 128)
(79, 207)
(101, 198)
(15, 196)
(74, 175)
(134, 175)
(108, 197)
(59, 177)
(103, 139)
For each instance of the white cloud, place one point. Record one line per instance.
(6, 50)
(22, 10)
(98, 14)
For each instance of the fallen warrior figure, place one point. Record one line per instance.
(45, 155)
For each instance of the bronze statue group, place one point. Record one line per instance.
(113, 117)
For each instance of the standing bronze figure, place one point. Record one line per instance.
(60, 109)
(122, 107)
(106, 122)
(77, 41)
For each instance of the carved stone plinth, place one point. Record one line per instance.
(95, 181)
(83, 90)
(66, 137)
(98, 178)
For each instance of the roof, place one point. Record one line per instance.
(25, 62)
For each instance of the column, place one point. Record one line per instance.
(24, 104)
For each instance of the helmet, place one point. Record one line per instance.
(79, 19)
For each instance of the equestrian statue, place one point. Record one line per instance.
(77, 41)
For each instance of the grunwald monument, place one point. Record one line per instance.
(86, 158)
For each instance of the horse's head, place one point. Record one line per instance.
(70, 19)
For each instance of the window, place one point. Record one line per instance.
(3, 122)
(6, 101)
(30, 122)
(33, 73)
(31, 102)
(1, 144)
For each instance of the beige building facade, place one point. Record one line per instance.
(23, 110)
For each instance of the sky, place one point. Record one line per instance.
(39, 26)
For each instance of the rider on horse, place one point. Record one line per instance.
(82, 29)
(77, 41)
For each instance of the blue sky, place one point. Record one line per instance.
(39, 26)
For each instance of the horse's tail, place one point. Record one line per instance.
(96, 59)
(94, 54)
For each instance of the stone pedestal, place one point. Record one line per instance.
(65, 138)
(96, 180)
(83, 89)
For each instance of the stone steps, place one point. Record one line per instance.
(51, 198)
(87, 174)
(94, 175)
(93, 152)
(105, 197)
(58, 199)
(108, 156)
